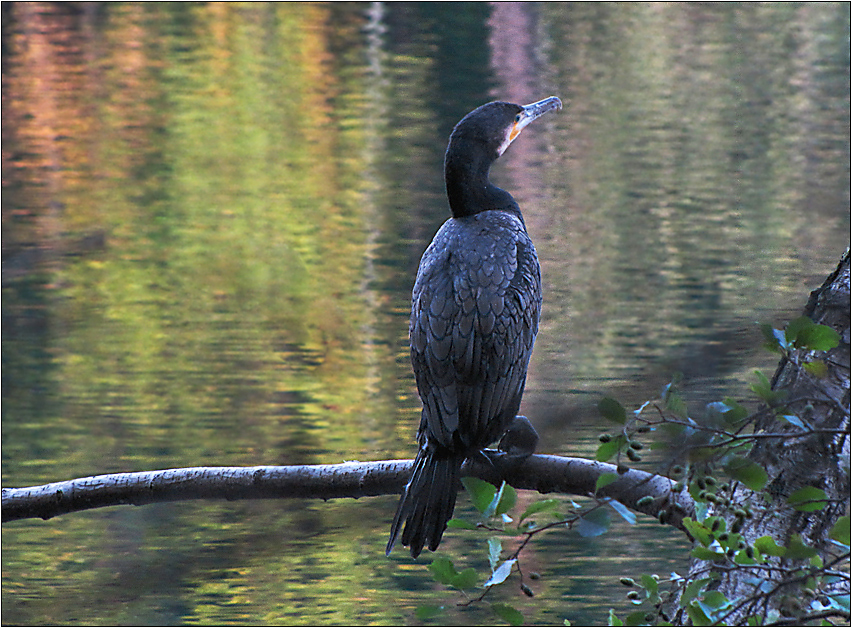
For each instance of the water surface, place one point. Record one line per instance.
(212, 218)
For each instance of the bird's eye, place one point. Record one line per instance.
(518, 117)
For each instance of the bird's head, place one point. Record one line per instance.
(498, 123)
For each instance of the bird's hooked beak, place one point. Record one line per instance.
(531, 112)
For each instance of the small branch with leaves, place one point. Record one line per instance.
(712, 460)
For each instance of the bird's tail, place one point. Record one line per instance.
(427, 501)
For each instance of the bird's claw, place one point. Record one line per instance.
(516, 445)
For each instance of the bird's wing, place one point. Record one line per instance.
(475, 314)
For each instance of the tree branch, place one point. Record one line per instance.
(793, 459)
(543, 473)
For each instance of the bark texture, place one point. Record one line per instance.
(354, 479)
(817, 456)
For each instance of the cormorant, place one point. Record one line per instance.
(475, 315)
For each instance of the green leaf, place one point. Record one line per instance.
(763, 389)
(731, 540)
(607, 450)
(651, 586)
(637, 619)
(458, 523)
(766, 545)
(805, 333)
(540, 506)
(736, 413)
(425, 612)
(676, 404)
(672, 398)
(701, 508)
(613, 620)
(798, 550)
(823, 338)
(840, 531)
(798, 330)
(694, 491)
(605, 479)
(747, 472)
(715, 600)
(692, 590)
(466, 579)
(650, 583)
(742, 559)
(500, 575)
(611, 409)
(697, 616)
(808, 498)
(494, 552)
(763, 383)
(817, 368)
(442, 570)
(508, 613)
(698, 531)
(775, 338)
(593, 523)
(507, 499)
(503, 500)
(481, 492)
(700, 552)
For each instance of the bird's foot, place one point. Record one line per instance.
(520, 439)
(516, 445)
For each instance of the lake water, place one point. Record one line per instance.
(212, 218)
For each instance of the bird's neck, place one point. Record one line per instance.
(469, 190)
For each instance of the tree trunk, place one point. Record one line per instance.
(781, 590)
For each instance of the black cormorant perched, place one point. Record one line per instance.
(475, 315)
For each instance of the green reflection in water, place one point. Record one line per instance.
(686, 186)
(265, 178)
